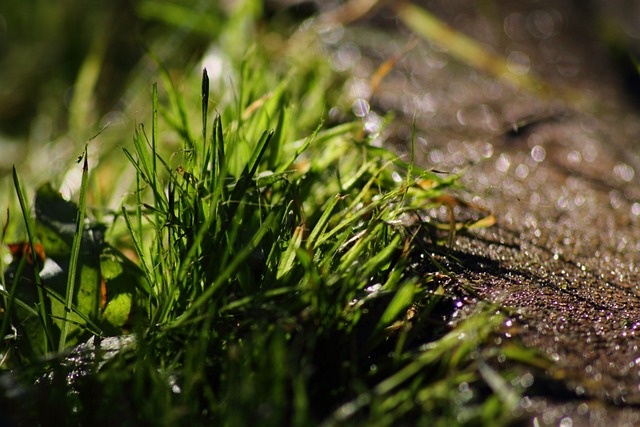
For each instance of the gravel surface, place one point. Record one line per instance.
(561, 178)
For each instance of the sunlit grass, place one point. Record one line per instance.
(273, 274)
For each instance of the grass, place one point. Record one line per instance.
(276, 271)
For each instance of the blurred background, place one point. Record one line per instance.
(73, 68)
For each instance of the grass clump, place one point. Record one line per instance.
(277, 277)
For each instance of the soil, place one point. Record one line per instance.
(561, 177)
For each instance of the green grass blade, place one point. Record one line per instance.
(289, 255)
(154, 141)
(351, 219)
(89, 324)
(375, 262)
(205, 104)
(248, 173)
(218, 148)
(401, 300)
(323, 222)
(137, 245)
(230, 269)
(28, 308)
(75, 253)
(10, 298)
(46, 322)
(258, 152)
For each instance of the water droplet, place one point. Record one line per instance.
(518, 62)
(360, 107)
(525, 402)
(562, 202)
(522, 171)
(623, 171)
(538, 153)
(526, 380)
(373, 288)
(615, 199)
(436, 156)
(487, 150)
(574, 157)
(566, 422)
(503, 163)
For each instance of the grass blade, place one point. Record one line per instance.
(289, 255)
(205, 104)
(249, 172)
(10, 298)
(401, 300)
(154, 138)
(46, 322)
(230, 269)
(218, 166)
(75, 253)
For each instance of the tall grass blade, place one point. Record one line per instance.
(205, 104)
(75, 253)
(154, 140)
(218, 148)
(46, 322)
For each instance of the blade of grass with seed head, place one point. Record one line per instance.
(205, 104)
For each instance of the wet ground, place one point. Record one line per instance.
(560, 175)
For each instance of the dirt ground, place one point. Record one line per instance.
(560, 176)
